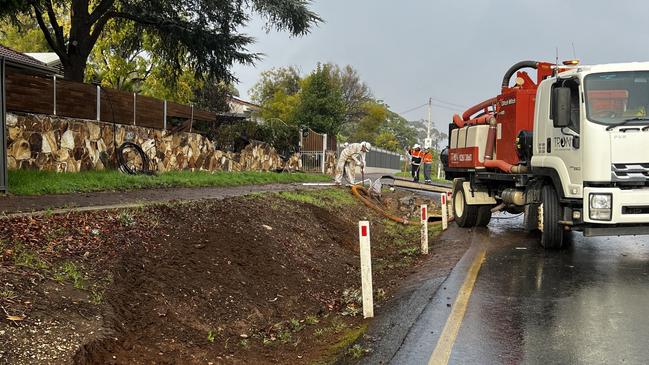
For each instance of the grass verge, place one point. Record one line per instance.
(421, 176)
(28, 182)
(334, 197)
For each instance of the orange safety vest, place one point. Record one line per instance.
(428, 158)
(416, 157)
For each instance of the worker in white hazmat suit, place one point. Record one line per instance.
(352, 155)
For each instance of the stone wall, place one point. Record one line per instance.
(51, 143)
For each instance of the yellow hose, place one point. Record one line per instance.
(357, 189)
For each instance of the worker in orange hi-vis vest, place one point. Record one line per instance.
(428, 165)
(416, 155)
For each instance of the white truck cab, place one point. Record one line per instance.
(600, 154)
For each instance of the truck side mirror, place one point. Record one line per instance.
(561, 107)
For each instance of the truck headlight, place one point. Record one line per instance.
(600, 206)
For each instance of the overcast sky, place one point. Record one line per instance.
(454, 51)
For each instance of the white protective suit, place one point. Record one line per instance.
(351, 156)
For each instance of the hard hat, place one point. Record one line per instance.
(416, 146)
(345, 144)
(366, 145)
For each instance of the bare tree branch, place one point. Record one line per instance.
(58, 30)
(100, 10)
(38, 14)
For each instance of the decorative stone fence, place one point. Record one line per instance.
(44, 142)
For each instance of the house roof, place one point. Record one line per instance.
(45, 57)
(21, 58)
(243, 102)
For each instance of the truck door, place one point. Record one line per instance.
(565, 144)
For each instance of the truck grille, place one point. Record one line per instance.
(632, 172)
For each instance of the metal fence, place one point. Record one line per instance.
(380, 158)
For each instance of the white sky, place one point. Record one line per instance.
(456, 51)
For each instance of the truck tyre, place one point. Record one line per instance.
(465, 215)
(552, 236)
(531, 218)
(484, 215)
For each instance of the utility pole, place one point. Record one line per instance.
(428, 141)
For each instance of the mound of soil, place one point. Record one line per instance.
(244, 280)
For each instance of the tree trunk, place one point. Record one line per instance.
(75, 68)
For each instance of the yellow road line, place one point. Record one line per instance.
(446, 340)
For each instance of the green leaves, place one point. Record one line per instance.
(203, 34)
(321, 107)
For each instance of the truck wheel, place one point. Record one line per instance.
(484, 215)
(465, 215)
(552, 235)
(531, 218)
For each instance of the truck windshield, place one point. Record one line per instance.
(615, 97)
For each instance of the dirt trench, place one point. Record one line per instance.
(249, 280)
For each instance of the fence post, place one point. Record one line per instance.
(54, 83)
(134, 107)
(424, 229)
(191, 121)
(366, 269)
(98, 103)
(4, 185)
(324, 152)
(164, 116)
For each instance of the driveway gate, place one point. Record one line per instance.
(314, 147)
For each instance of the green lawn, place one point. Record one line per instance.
(421, 176)
(26, 182)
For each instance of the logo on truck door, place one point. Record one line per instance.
(562, 143)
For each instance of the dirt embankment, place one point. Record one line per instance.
(260, 279)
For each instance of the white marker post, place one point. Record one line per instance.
(424, 229)
(444, 213)
(366, 268)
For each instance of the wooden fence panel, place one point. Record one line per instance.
(204, 115)
(175, 110)
(149, 112)
(76, 100)
(28, 93)
(117, 103)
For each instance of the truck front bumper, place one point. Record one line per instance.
(629, 208)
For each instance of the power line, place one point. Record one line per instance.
(415, 108)
(449, 103)
(438, 104)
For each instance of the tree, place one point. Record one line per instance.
(277, 92)
(285, 80)
(22, 35)
(204, 33)
(399, 127)
(375, 115)
(355, 92)
(389, 141)
(321, 106)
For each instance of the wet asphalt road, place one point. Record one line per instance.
(587, 304)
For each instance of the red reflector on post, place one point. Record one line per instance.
(423, 214)
(364, 231)
(443, 198)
